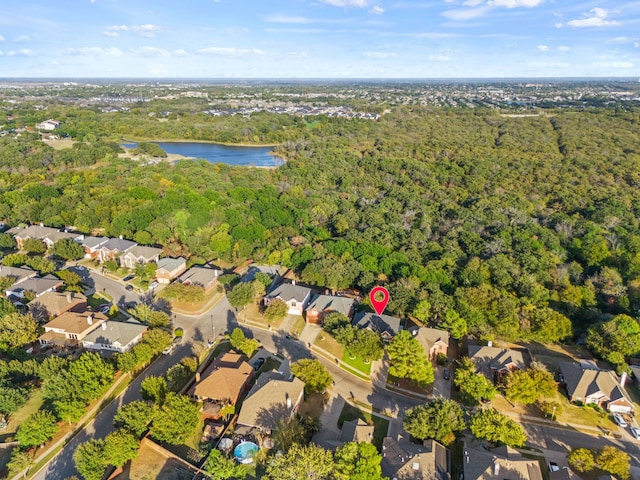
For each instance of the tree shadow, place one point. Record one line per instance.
(268, 418)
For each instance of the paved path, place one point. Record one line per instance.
(309, 333)
(329, 436)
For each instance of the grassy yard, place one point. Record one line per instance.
(357, 363)
(151, 465)
(313, 405)
(328, 343)
(95, 300)
(269, 364)
(298, 326)
(380, 425)
(32, 406)
(189, 308)
(251, 313)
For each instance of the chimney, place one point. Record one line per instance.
(623, 379)
(293, 282)
(41, 224)
(288, 400)
(104, 325)
(69, 297)
(197, 377)
(496, 467)
(489, 343)
(90, 320)
(120, 237)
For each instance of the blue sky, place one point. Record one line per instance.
(319, 38)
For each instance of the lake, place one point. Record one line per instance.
(215, 153)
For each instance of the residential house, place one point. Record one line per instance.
(433, 341)
(206, 277)
(590, 385)
(56, 303)
(48, 125)
(322, 305)
(386, 325)
(38, 285)
(113, 248)
(408, 461)
(270, 270)
(271, 399)
(635, 371)
(51, 238)
(38, 232)
(140, 255)
(495, 362)
(499, 464)
(169, 268)
(356, 431)
(92, 246)
(295, 296)
(114, 336)
(224, 380)
(17, 273)
(70, 328)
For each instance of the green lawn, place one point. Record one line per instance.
(95, 300)
(298, 326)
(357, 363)
(380, 425)
(328, 343)
(269, 364)
(32, 406)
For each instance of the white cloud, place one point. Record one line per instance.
(564, 48)
(297, 54)
(438, 57)
(179, 53)
(377, 10)
(543, 48)
(150, 52)
(346, 3)
(636, 44)
(465, 14)
(1, 38)
(515, 3)
(597, 17)
(25, 52)
(378, 54)
(22, 39)
(1, 53)
(230, 51)
(286, 19)
(94, 51)
(147, 30)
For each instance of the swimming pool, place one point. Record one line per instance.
(245, 452)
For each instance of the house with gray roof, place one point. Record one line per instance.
(169, 268)
(295, 296)
(17, 273)
(272, 271)
(38, 232)
(140, 255)
(356, 431)
(386, 325)
(206, 277)
(499, 464)
(494, 362)
(92, 245)
(114, 336)
(113, 248)
(434, 341)
(271, 399)
(38, 285)
(322, 305)
(408, 461)
(591, 385)
(50, 239)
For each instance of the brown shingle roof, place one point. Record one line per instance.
(224, 379)
(76, 322)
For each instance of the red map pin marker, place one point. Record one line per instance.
(379, 305)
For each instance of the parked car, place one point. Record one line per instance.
(553, 466)
(153, 284)
(128, 278)
(129, 287)
(635, 432)
(446, 375)
(104, 308)
(619, 420)
(258, 363)
(169, 349)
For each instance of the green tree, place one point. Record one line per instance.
(408, 359)
(67, 249)
(91, 376)
(358, 461)
(615, 461)
(276, 310)
(157, 340)
(313, 373)
(334, 321)
(36, 429)
(310, 461)
(367, 344)
(454, 324)
(175, 420)
(241, 295)
(615, 339)
(243, 344)
(227, 411)
(12, 398)
(439, 419)
(20, 460)
(90, 459)
(120, 447)
(263, 278)
(526, 387)
(422, 311)
(134, 417)
(474, 387)
(220, 467)
(154, 389)
(288, 432)
(491, 425)
(34, 245)
(259, 290)
(17, 330)
(581, 460)
(6, 241)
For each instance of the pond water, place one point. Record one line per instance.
(215, 153)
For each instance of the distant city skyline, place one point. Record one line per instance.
(320, 39)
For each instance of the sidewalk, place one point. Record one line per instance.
(329, 435)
